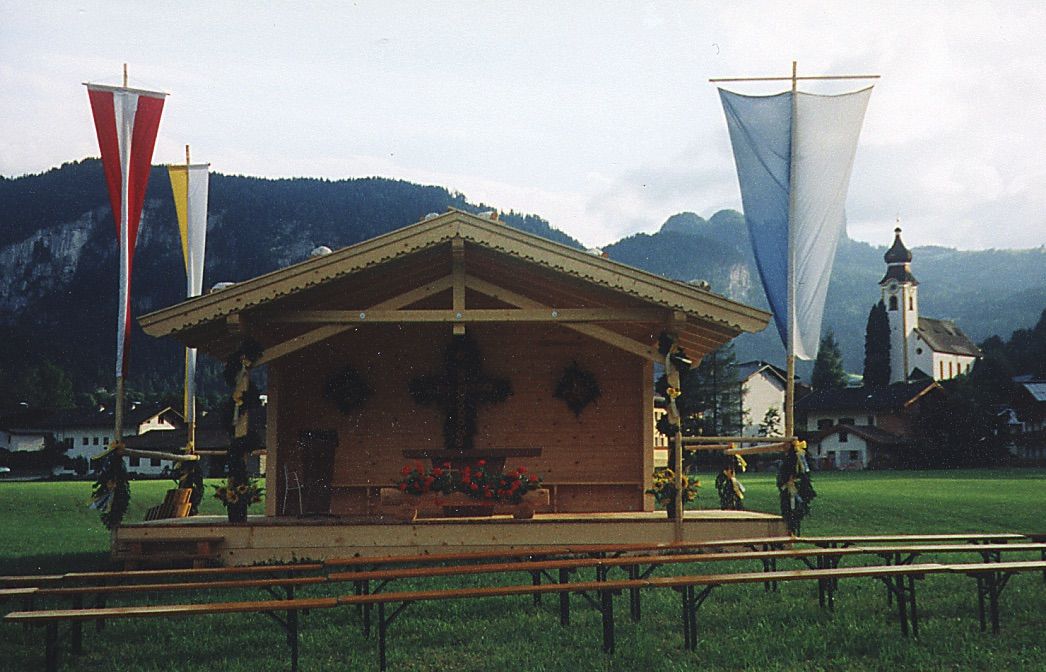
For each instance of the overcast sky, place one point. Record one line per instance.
(595, 115)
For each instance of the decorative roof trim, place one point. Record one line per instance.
(427, 234)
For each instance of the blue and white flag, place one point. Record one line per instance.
(825, 131)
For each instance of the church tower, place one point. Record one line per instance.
(900, 294)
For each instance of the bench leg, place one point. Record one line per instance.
(687, 613)
(564, 598)
(606, 599)
(366, 610)
(76, 635)
(292, 637)
(633, 594)
(912, 608)
(993, 600)
(535, 580)
(99, 602)
(382, 625)
(51, 647)
(981, 590)
(902, 607)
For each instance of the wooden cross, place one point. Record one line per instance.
(458, 391)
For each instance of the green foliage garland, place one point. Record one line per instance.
(577, 387)
(347, 390)
(111, 492)
(797, 492)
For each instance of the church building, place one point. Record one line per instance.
(919, 346)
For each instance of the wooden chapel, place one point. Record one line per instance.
(382, 315)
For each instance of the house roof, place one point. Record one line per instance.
(746, 370)
(944, 336)
(75, 418)
(890, 398)
(868, 433)
(211, 434)
(365, 276)
(1036, 390)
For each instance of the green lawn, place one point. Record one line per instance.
(47, 528)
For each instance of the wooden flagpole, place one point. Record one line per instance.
(190, 394)
(117, 441)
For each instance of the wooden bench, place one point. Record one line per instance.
(865, 539)
(899, 578)
(200, 550)
(819, 558)
(289, 622)
(684, 584)
(991, 578)
(175, 504)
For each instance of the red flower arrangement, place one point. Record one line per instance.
(478, 483)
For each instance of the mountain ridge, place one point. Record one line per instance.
(58, 262)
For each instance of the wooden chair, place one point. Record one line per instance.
(175, 504)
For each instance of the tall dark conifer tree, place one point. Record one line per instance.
(877, 347)
(828, 368)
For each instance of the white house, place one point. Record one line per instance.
(22, 442)
(762, 388)
(87, 433)
(857, 427)
(937, 348)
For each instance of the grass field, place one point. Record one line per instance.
(47, 528)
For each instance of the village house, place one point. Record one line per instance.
(1029, 409)
(860, 427)
(86, 433)
(762, 388)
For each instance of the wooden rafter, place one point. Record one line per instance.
(594, 331)
(274, 352)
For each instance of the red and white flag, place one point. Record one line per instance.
(126, 121)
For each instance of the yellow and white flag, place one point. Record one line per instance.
(189, 186)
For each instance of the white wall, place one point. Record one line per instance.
(845, 449)
(760, 391)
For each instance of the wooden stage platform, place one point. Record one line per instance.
(264, 538)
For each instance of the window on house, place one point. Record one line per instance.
(871, 421)
(847, 421)
(824, 423)
(855, 455)
(105, 440)
(87, 441)
(844, 437)
(911, 303)
(951, 373)
(942, 370)
(134, 461)
(155, 461)
(893, 303)
(95, 441)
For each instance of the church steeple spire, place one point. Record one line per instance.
(900, 294)
(898, 259)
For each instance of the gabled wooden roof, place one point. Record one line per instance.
(520, 276)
